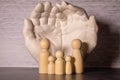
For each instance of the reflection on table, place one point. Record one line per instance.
(61, 77)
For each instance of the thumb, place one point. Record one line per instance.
(28, 30)
(92, 23)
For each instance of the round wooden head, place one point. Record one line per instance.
(68, 58)
(44, 43)
(51, 59)
(76, 44)
(59, 54)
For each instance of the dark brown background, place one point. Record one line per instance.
(14, 54)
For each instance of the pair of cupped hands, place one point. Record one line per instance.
(60, 24)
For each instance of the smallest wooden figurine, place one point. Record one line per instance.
(51, 65)
(68, 68)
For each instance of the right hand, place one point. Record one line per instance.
(42, 24)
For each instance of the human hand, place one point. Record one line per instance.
(77, 25)
(60, 25)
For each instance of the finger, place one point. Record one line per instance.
(45, 14)
(47, 6)
(35, 21)
(81, 11)
(60, 16)
(62, 6)
(54, 10)
(35, 15)
(37, 10)
(43, 20)
(52, 17)
(82, 15)
(93, 24)
(51, 20)
(72, 8)
(28, 30)
(39, 7)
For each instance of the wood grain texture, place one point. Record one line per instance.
(14, 54)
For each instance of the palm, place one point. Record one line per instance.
(51, 33)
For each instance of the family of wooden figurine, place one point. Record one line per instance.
(62, 65)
